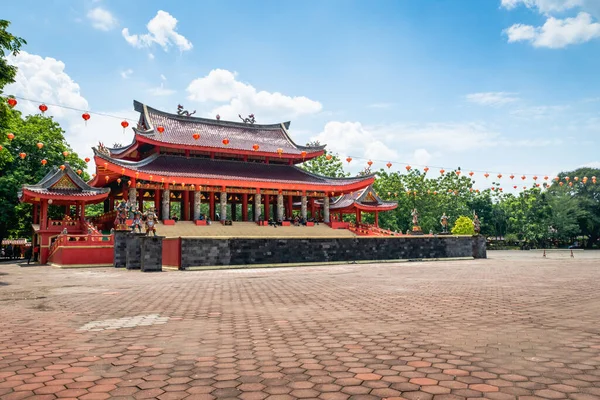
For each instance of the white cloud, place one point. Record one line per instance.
(556, 33)
(221, 86)
(593, 164)
(539, 112)
(421, 157)
(102, 19)
(161, 91)
(44, 79)
(492, 98)
(150, 56)
(161, 30)
(127, 73)
(544, 6)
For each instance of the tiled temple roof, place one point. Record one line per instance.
(65, 182)
(178, 130)
(366, 197)
(205, 168)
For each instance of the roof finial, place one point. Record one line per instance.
(218, 117)
(250, 120)
(181, 111)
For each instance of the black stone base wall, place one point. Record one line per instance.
(120, 249)
(244, 251)
(134, 250)
(151, 253)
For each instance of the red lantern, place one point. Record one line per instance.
(499, 176)
(349, 159)
(124, 124)
(79, 172)
(85, 117)
(225, 141)
(65, 153)
(10, 136)
(62, 167)
(567, 178)
(12, 102)
(280, 151)
(546, 178)
(556, 178)
(43, 108)
(493, 188)
(196, 136)
(515, 186)
(500, 189)
(523, 177)
(87, 159)
(512, 176)
(328, 157)
(160, 129)
(458, 172)
(576, 178)
(537, 185)
(571, 184)
(471, 173)
(560, 183)
(303, 154)
(369, 163)
(389, 165)
(119, 181)
(535, 178)
(255, 147)
(408, 167)
(1, 148)
(426, 169)
(22, 155)
(44, 161)
(442, 172)
(486, 175)
(40, 145)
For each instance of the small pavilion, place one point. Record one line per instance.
(60, 187)
(365, 200)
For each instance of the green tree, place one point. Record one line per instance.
(15, 218)
(9, 44)
(326, 165)
(463, 226)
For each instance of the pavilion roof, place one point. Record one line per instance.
(365, 199)
(179, 130)
(206, 171)
(57, 184)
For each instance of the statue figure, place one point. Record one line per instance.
(102, 149)
(122, 212)
(444, 222)
(476, 223)
(150, 217)
(415, 217)
(250, 120)
(181, 111)
(137, 221)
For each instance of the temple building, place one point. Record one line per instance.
(237, 171)
(361, 201)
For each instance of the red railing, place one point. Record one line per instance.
(67, 240)
(363, 229)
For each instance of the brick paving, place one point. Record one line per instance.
(513, 326)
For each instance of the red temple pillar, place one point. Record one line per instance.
(312, 208)
(36, 215)
(140, 193)
(377, 219)
(290, 206)
(211, 205)
(157, 200)
(44, 215)
(245, 207)
(267, 213)
(185, 206)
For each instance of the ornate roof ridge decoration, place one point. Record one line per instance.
(215, 130)
(143, 108)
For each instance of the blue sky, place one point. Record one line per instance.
(491, 85)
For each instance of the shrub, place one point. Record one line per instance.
(463, 226)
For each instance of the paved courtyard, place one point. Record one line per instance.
(512, 326)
